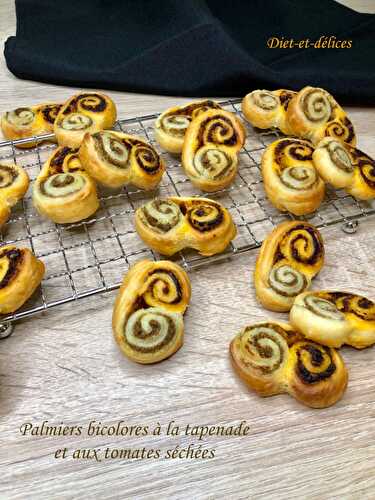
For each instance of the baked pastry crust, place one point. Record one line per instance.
(83, 113)
(335, 318)
(29, 121)
(116, 159)
(209, 154)
(14, 183)
(170, 126)
(20, 274)
(147, 317)
(346, 167)
(290, 178)
(313, 114)
(171, 224)
(273, 358)
(268, 108)
(63, 191)
(289, 258)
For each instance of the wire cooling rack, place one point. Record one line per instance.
(91, 257)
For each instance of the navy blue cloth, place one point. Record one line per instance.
(193, 47)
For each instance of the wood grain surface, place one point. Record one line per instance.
(63, 367)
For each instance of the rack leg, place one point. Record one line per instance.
(350, 226)
(6, 330)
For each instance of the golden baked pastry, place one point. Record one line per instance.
(20, 274)
(147, 318)
(171, 224)
(346, 167)
(289, 258)
(268, 108)
(209, 153)
(314, 114)
(14, 183)
(29, 121)
(82, 113)
(116, 159)
(335, 318)
(171, 126)
(63, 191)
(273, 358)
(290, 178)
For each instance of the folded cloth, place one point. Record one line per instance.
(195, 47)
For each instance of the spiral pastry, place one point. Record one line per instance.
(63, 191)
(29, 121)
(290, 178)
(273, 358)
(171, 126)
(82, 113)
(289, 258)
(346, 167)
(14, 183)
(115, 159)
(20, 274)
(268, 109)
(314, 114)
(147, 318)
(172, 224)
(209, 154)
(335, 318)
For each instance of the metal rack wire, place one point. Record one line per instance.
(90, 257)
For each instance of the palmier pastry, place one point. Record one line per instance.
(25, 122)
(171, 224)
(273, 358)
(346, 167)
(267, 109)
(290, 256)
(116, 159)
(171, 126)
(209, 154)
(335, 318)
(63, 191)
(148, 313)
(290, 178)
(14, 183)
(20, 274)
(314, 114)
(82, 113)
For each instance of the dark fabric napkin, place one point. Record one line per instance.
(193, 47)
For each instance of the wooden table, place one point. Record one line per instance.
(63, 367)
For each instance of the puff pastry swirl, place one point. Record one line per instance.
(171, 224)
(314, 114)
(291, 181)
(170, 126)
(24, 122)
(147, 318)
(335, 318)
(209, 154)
(346, 167)
(14, 183)
(268, 109)
(63, 191)
(290, 256)
(273, 358)
(82, 113)
(20, 274)
(115, 159)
